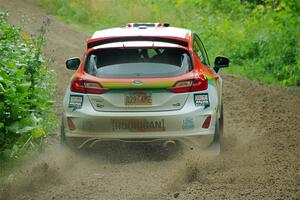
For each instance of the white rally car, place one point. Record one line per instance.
(145, 83)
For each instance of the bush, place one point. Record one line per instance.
(25, 89)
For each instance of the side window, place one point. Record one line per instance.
(91, 66)
(200, 50)
(197, 50)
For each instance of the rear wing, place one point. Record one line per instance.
(100, 41)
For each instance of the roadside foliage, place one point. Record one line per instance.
(26, 86)
(261, 37)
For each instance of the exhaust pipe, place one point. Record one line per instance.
(170, 145)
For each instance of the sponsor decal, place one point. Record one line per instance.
(75, 101)
(138, 125)
(202, 100)
(188, 123)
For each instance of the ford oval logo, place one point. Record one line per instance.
(137, 82)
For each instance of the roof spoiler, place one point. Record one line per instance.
(100, 41)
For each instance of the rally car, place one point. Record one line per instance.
(144, 82)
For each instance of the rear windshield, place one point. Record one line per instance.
(138, 62)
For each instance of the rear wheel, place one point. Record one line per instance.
(62, 133)
(219, 128)
(221, 123)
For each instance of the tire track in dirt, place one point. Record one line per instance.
(261, 144)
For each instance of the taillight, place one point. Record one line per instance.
(197, 84)
(84, 86)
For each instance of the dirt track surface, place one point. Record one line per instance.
(261, 158)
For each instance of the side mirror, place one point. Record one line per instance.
(73, 63)
(221, 62)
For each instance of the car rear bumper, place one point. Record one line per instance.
(202, 141)
(183, 125)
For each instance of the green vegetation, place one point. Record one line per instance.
(26, 85)
(261, 37)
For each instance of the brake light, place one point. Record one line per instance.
(197, 84)
(84, 86)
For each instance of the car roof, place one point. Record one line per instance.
(171, 32)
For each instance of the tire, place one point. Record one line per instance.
(219, 129)
(221, 123)
(62, 133)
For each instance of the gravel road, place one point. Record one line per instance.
(261, 157)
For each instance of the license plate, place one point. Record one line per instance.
(138, 125)
(138, 98)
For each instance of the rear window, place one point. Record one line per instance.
(138, 62)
